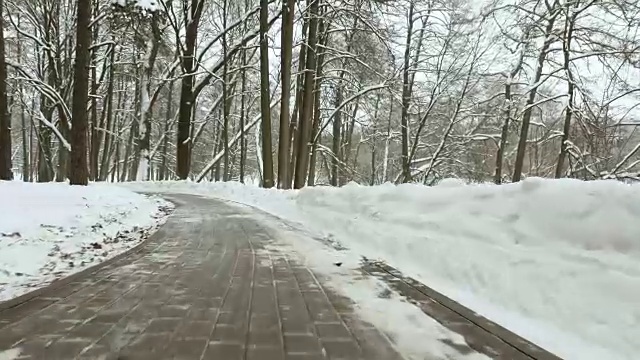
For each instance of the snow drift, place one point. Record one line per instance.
(51, 230)
(556, 261)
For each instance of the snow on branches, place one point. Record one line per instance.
(143, 8)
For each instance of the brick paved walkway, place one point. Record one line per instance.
(202, 288)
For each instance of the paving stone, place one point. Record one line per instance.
(67, 348)
(198, 329)
(329, 331)
(222, 350)
(186, 349)
(163, 325)
(148, 343)
(346, 349)
(223, 332)
(302, 344)
(265, 353)
(203, 286)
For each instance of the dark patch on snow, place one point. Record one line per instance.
(14, 234)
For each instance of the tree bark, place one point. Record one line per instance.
(225, 95)
(288, 11)
(183, 146)
(165, 141)
(144, 142)
(305, 121)
(78, 172)
(265, 99)
(566, 52)
(337, 137)
(243, 89)
(132, 155)
(94, 143)
(26, 151)
(406, 98)
(372, 180)
(63, 153)
(6, 172)
(504, 133)
(45, 166)
(347, 141)
(294, 128)
(526, 116)
(106, 151)
(316, 107)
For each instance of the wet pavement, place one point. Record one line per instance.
(202, 287)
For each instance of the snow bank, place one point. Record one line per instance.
(51, 230)
(556, 261)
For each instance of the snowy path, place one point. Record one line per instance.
(205, 286)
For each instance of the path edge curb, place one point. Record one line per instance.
(523, 345)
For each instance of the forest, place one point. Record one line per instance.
(293, 93)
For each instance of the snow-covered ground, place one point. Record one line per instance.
(51, 230)
(556, 261)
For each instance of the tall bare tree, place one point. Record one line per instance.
(406, 97)
(553, 13)
(265, 98)
(78, 170)
(194, 9)
(288, 11)
(6, 172)
(306, 120)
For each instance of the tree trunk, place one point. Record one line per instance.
(526, 116)
(78, 171)
(115, 175)
(508, 104)
(347, 141)
(6, 172)
(265, 98)
(45, 165)
(133, 131)
(316, 125)
(566, 52)
(316, 106)
(26, 151)
(32, 130)
(406, 98)
(183, 146)
(337, 138)
(63, 152)
(504, 133)
(373, 141)
(294, 128)
(106, 151)
(94, 143)
(243, 89)
(225, 95)
(305, 121)
(165, 141)
(288, 12)
(132, 153)
(387, 143)
(144, 141)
